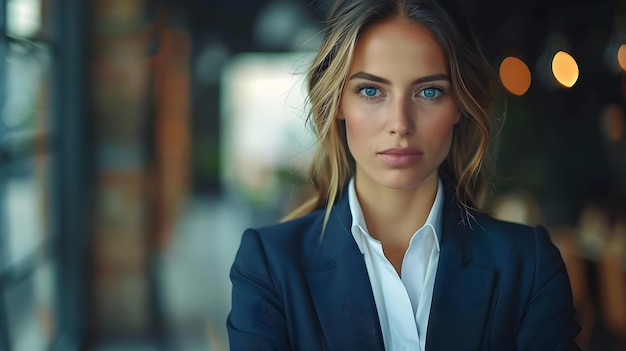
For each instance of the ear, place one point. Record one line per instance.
(340, 116)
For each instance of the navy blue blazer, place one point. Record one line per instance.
(499, 286)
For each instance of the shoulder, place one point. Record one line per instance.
(508, 240)
(284, 241)
(500, 229)
(486, 235)
(293, 230)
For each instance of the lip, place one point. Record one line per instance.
(401, 157)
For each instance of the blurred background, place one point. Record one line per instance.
(139, 138)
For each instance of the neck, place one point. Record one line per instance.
(393, 215)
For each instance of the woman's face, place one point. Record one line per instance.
(398, 106)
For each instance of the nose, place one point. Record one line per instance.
(400, 121)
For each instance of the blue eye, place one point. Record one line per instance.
(430, 93)
(369, 91)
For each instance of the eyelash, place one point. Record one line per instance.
(441, 90)
(359, 88)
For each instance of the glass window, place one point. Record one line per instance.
(23, 145)
(27, 282)
(24, 206)
(260, 164)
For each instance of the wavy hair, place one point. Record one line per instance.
(472, 78)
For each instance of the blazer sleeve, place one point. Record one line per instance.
(549, 321)
(256, 320)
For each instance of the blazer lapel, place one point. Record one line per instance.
(462, 293)
(340, 288)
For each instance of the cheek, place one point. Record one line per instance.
(356, 130)
(361, 123)
(440, 131)
(444, 128)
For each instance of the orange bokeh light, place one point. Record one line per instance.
(515, 75)
(565, 69)
(621, 56)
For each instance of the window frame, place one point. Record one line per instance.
(72, 170)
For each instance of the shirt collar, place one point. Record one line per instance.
(358, 220)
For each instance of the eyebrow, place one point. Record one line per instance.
(368, 76)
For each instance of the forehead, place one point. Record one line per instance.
(398, 47)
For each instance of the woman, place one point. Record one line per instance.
(392, 253)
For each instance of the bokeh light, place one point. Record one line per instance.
(613, 123)
(621, 56)
(565, 69)
(515, 75)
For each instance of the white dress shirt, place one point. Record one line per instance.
(403, 302)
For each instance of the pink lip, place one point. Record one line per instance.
(401, 157)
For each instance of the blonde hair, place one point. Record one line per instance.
(473, 80)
